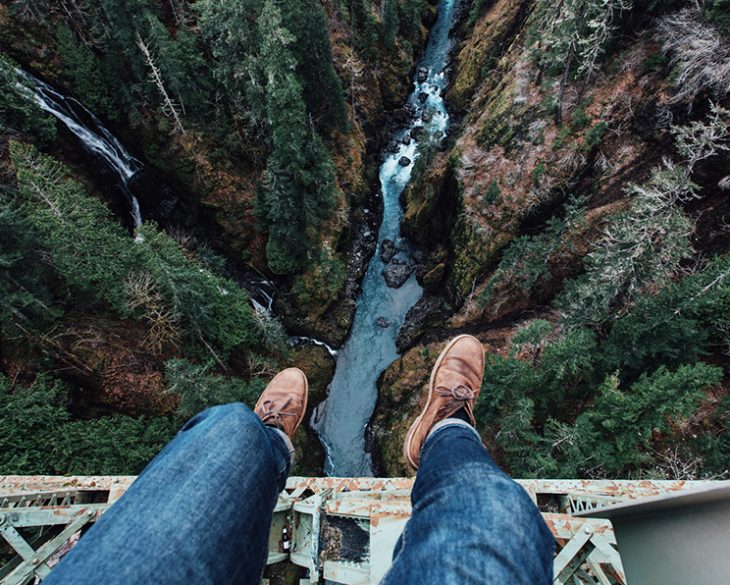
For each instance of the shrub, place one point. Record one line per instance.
(199, 389)
(538, 173)
(39, 436)
(594, 136)
(579, 119)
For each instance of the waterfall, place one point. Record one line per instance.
(99, 141)
(380, 310)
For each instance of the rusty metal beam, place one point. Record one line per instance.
(342, 529)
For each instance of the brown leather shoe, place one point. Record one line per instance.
(283, 402)
(455, 382)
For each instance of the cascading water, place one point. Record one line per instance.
(89, 130)
(341, 419)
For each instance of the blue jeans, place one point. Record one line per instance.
(200, 513)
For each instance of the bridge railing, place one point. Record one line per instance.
(338, 529)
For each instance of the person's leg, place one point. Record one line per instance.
(470, 522)
(201, 511)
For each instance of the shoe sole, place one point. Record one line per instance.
(414, 426)
(306, 397)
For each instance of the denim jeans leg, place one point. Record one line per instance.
(199, 513)
(471, 523)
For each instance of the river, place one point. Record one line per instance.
(341, 420)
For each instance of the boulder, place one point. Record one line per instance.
(417, 132)
(422, 74)
(432, 279)
(422, 97)
(387, 250)
(404, 161)
(382, 322)
(397, 273)
(419, 318)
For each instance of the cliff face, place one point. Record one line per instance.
(530, 204)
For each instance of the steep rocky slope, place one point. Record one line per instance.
(537, 235)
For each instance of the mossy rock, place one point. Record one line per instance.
(401, 394)
(483, 47)
(319, 366)
(433, 278)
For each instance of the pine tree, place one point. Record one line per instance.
(19, 112)
(410, 19)
(390, 23)
(574, 35)
(86, 246)
(230, 27)
(323, 91)
(298, 190)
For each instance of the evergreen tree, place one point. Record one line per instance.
(86, 245)
(390, 24)
(87, 78)
(39, 436)
(614, 435)
(410, 19)
(364, 28)
(199, 389)
(231, 30)
(322, 87)
(98, 260)
(184, 69)
(26, 298)
(17, 110)
(298, 190)
(215, 310)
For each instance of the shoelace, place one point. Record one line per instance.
(461, 392)
(270, 411)
(459, 398)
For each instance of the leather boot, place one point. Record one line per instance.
(455, 382)
(283, 402)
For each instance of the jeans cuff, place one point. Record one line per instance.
(287, 442)
(450, 422)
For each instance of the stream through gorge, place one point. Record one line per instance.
(342, 418)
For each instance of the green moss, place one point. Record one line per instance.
(505, 123)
